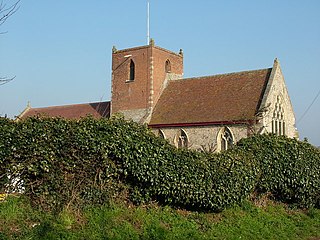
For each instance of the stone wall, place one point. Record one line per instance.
(137, 115)
(202, 137)
(276, 93)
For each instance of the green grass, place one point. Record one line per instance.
(18, 220)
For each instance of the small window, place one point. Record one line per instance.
(132, 70)
(168, 66)
(182, 139)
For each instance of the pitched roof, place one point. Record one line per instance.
(75, 111)
(214, 99)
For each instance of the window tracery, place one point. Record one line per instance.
(183, 139)
(226, 139)
(278, 121)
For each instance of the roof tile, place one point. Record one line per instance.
(75, 111)
(219, 98)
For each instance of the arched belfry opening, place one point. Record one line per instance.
(132, 70)
(168, 66)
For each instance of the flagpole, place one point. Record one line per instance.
(148, 23)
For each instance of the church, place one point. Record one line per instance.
(210, 112)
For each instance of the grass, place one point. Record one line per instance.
(18, 220)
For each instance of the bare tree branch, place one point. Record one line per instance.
(6, 12)
(4, 80)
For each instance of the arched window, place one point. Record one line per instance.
(278, 122)
(161, 134)
(182, 139)
(132, 70)
(225, 139)
(168, 66)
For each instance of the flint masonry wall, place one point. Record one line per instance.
(202, 137)
(276, 89)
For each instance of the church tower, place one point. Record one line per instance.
(139, 75)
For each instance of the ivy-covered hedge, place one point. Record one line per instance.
(62, 162)
(290, 169)
(58, 162)
(180, 177)
(6, 137)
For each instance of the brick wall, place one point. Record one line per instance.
(126, 94)
(160, 77)
(136, 99)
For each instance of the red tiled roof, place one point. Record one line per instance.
(75, 111)
(221, 98)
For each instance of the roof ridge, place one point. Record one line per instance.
(222, 74)
(69, 105)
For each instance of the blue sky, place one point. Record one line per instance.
(60, 51)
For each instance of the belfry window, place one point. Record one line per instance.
(168, 66)
(226, 139)
(278, 122)
(182, 139)
(132, 70)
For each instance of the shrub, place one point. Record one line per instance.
(6, 146)
(61, 162)
(186, 178)
(290, 169)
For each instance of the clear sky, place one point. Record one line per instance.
(60, 51)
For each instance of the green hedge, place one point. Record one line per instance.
(181, 177)
(6, 146)
(63, 162)
(290, 169)
(59, 162)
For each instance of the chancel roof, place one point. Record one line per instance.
(224, 98)
(75, 111)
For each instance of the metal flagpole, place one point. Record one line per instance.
(148, 23)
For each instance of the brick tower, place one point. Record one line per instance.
(139, 76)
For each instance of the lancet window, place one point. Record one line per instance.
(278, 121)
